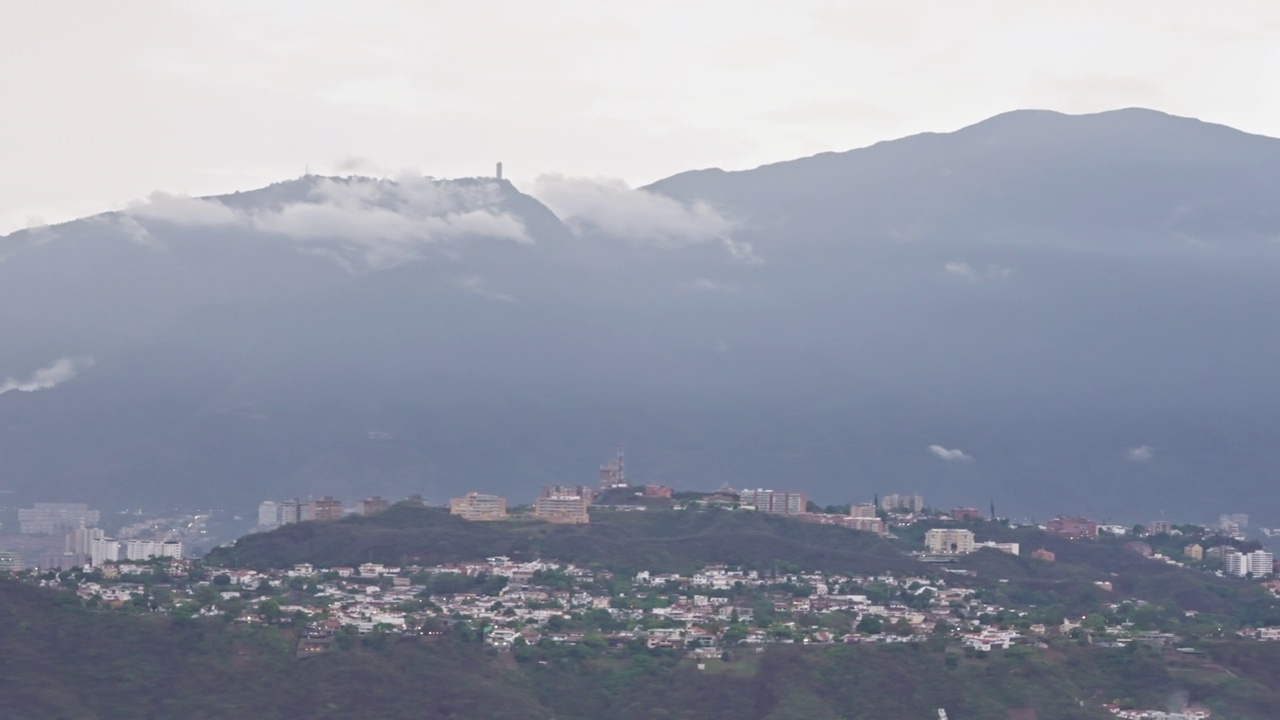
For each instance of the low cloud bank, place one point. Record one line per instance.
(610, 207)
(374, 223)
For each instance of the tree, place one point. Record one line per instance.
(270, 611)
(870, 625)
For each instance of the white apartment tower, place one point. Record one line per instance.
(269, 514)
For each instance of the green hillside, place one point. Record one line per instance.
(59, 660)
(662, 541)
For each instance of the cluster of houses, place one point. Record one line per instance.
(527, 603)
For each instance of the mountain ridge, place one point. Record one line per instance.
(1043, 310)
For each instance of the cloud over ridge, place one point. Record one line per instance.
(58, 372)
(611, 207)
(375, 223)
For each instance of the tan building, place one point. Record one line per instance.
(949, 541)
(326, 508)
(479, 506)
(864, 510)
(562, 509)
(372, 506)
(1193, 552)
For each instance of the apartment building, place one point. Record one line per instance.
(372, 506)
(479, 506)
(562, 509)
(895, 503)
(326, 508)
(775, 501)
(949, 541)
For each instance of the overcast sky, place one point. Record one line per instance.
(105, 102)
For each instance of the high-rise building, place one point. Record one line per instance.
(479, 506)
(372, 506)
(291, 512)
(104, 550)
(1261, 563)
(11, 561)
(902, 503)
(49, 518)
(562, 509)
(775, 501)
(949, 541)
(268, 515)
(326, 508)
(1235, 563)
(1159, 527)
(80, 540)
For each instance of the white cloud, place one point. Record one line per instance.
(183, 210)
(712, 285)
(611, 207)
(478, 286)
(55, 374)
(1141, 453)
(954, 455)
(357, 222)
(969, 272)
(136, 231)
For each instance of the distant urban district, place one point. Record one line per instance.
(710, 577)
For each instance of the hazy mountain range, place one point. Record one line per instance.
(1058, 313)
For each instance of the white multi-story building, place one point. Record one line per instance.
(111, 550)
(902, 503)
(80, 540)
(1011, 548)
(1261, 563)
(104, 550)
(1258, 563)
(291, 512)
(269, 514)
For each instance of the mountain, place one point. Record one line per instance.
(1060, 313)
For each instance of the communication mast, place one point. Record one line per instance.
(614, 474)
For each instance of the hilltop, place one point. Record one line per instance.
(657, 540)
